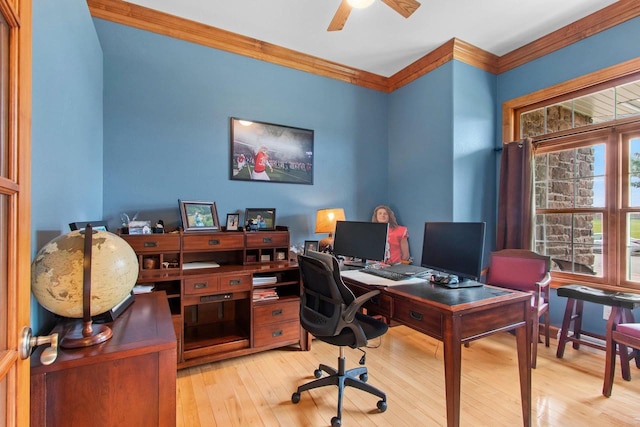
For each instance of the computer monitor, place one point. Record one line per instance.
(362, 240)
(455, 248)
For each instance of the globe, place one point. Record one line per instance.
(57, 273)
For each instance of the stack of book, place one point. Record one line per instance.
(264, 294)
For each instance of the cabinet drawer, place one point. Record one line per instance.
(153, 243)
(201, 285)
(213, 241)
(263, 239)
(235, 282)
(275, 334)
(418, 317)
(276, 312)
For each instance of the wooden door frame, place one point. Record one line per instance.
(16, 186)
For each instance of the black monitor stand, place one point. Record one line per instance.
(354, 264)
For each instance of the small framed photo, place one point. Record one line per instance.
(96, 225)
(259, 219)
(310, 245)
(199, 216)
(232, 222)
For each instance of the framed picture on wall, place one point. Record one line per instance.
(199, 216)
(265, 152)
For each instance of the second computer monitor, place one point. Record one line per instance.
(454, 248)
(362, 240)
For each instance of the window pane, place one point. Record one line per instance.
(4, 97)
(532, 123)
(628, 100)
(570, 178)
(559, 117)
(573, 241)
(633, 246)
(595, 108)
(634, 172)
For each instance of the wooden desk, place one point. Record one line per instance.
(456, 316)
(129, 380)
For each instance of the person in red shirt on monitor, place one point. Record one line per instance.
(397, 236)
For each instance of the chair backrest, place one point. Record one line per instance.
(518, 269)
(324, 294)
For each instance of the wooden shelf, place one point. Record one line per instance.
(214, 314)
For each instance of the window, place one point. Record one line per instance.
(587, 183)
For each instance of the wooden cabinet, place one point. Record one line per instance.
(129, 380)
(217, 312)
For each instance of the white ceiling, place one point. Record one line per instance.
(378, 39)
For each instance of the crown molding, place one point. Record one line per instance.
(165, 24)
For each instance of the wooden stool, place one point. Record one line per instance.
(576, 295)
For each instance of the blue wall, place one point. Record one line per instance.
(591, 54)
(67, 163)
(167, 109)
(441, 152)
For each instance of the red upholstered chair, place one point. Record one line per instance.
(621, 337)
(527, 271)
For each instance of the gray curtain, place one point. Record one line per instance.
(515, 196)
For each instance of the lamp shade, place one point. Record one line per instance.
(326, 219)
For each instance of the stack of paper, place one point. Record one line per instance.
(265, 294)
(264, 280)
(142, 289)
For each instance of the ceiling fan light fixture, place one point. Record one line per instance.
(360, 4)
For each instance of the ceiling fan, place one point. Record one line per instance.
(403, 7)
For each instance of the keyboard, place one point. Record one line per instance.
(391, 275)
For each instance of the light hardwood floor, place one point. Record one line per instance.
(256, 390)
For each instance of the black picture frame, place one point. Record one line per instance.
(260, 219)
(311, 245)
(96, 225)
(199, 216)
(266, 152)
(233, 221)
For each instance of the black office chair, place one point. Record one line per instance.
(330, 312)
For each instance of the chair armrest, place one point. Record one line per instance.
(354, 307)
(546, 280)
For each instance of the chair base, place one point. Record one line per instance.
(342, 378)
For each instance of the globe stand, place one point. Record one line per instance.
(84, 333)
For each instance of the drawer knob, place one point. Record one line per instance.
(277, 333)
(150, 244)
(200, 285)
(235, 282)
(277, 312)
(214, 242)
(266, 240)
(415, 315)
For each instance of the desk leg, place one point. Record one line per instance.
(523, 340)
(452, 347)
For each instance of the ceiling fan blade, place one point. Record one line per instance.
(340, 18)
(403, 7)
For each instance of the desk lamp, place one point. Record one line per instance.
(326, 223)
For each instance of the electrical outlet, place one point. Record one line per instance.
(606, 311)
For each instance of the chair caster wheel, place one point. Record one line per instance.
(335, 422)
(382, 405)
(364, 377)
(295, 397)
(317, 373)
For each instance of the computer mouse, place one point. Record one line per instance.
(452, 280)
